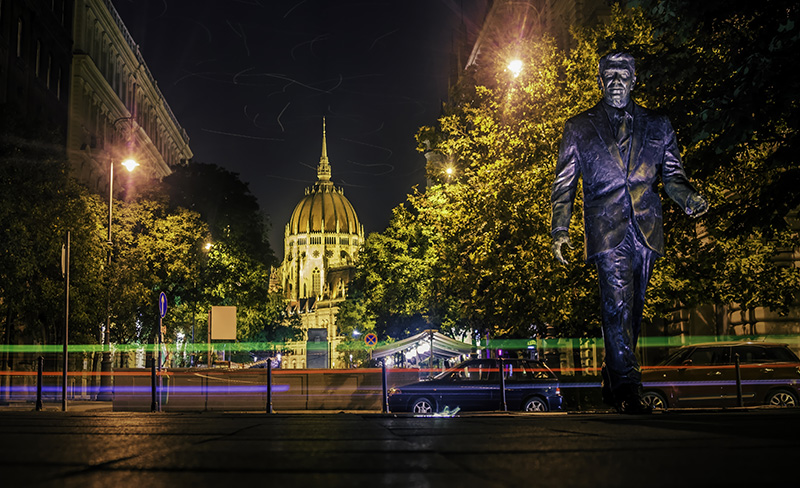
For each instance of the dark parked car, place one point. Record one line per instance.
(704, 375)
(476, 385)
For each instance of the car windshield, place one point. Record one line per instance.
(480, 370)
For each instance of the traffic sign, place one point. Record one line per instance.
(371, 339)
(162, 304)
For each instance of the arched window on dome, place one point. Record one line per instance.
(315, 282)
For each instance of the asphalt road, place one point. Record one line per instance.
(753, 447)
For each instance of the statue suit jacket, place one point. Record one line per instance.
(617, 192)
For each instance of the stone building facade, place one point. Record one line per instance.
(116, 109)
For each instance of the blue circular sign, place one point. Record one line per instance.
(371, 339)
(162, 304)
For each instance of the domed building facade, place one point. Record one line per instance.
(321, 243)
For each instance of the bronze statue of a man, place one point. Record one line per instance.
(621, 150)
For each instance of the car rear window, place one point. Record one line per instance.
(759, 354)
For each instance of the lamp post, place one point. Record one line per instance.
(105, 363)
(206, 247)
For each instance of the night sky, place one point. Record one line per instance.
(250, 81)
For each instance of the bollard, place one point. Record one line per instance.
(269, 386)
(503, 384)
(154, 400)
(39, 367)
(739, 398)
(384, 389)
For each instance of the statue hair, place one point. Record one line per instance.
(624, 57)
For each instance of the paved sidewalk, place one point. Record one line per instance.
(95, 448)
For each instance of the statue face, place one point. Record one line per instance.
(617, 82)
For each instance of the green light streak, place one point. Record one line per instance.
(512, 344)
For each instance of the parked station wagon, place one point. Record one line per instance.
(475, 385)
(704, 375)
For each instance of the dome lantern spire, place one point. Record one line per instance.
(324, 168)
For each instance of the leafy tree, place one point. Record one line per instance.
(38, 204)
(354, 322)
(154, 251)
(485, 223)
(226, 204)
(720, 71)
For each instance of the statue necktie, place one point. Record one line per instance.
(623, 134)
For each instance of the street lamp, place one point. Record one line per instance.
(105, 363)
(515, 66)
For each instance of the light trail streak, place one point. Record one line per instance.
(494, 344)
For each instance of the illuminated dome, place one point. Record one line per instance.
(324, 209)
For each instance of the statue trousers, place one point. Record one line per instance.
(624, 273)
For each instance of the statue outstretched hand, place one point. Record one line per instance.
(559, 239)
(696, 205)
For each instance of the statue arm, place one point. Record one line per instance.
(564, 188)
(676, 183)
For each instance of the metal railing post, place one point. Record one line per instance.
(39, 367)
(739, 398)
(384, 389)
(153, 398)
(503, 384)
(269, 386)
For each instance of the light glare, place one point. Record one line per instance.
(515, 67)
(130, 164)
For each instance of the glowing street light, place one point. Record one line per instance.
(515, 66)
(130, 164)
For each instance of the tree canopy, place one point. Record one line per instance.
(157, 245)
(472, 251)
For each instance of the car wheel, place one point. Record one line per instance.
(535, 404)
(422, 405)
(655, 400)
(782, 398)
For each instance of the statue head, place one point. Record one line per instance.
(616, 77)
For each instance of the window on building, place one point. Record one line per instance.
(315, 282)
(49, 69)
(58, 85)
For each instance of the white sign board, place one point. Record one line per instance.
(222, 323)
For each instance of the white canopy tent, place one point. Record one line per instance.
(421, 345)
